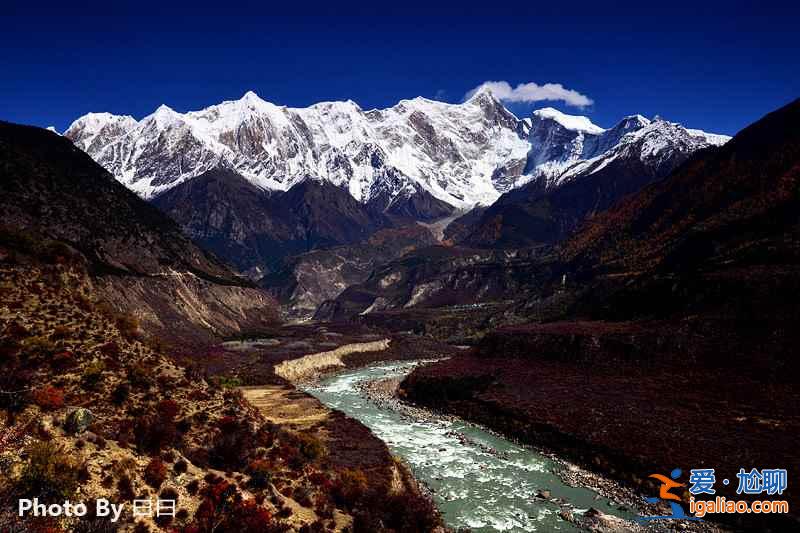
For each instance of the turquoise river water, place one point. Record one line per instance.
(478, 480)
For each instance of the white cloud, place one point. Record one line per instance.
(532, 92)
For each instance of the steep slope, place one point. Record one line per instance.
(226, 214)
(88, 410)
(426, 284)
(419, 158)
(572, 183)
(138, 257)
(254, 229)
(730, 216)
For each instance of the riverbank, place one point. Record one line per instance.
(369, 484)
(384, 393)
(621, 422)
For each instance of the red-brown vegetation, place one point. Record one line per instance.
(155, 473)
(49, 397)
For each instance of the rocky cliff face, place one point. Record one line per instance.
(304, 281)
(237, 177)
(441, 277)
(137, 256)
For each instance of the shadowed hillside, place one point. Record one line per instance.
(139, 259)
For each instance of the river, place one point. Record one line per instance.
(478, 480)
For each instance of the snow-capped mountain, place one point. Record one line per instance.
(462, 154)
(577, 170)
(564, 147)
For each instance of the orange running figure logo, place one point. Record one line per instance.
(667, 484)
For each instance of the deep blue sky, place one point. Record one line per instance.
(715, 66)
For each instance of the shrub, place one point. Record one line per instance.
(49, 472)
(49, 397)
(128, 326)
(92, 374)
(15, 331)
(9, 348)
(260, 474)
(155, 473)
(125, 488)
(198, 456)
(139, 376)
(223, 511)
(232, 443)
(183, 425)
(110, 349)
(350, 488)
(169, 493)
(310, 446)
(120, 393)
(63, 361)
(38, 347)
(302, 495)
(60, 332)
(406, 511)
(152, 434)
(180, 466)
(192, 487)
(168, 409)
(93, 525)
(228, 382)
(248, 517)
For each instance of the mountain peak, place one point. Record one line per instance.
(483, 94)
(164, 116)
(250, 97)
(638, 120)
(571, 122)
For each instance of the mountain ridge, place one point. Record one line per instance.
(254, 228)
(460, 155)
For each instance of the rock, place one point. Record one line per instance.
(542, 494)
(79, 420)
(596, 520)
(593, 513)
